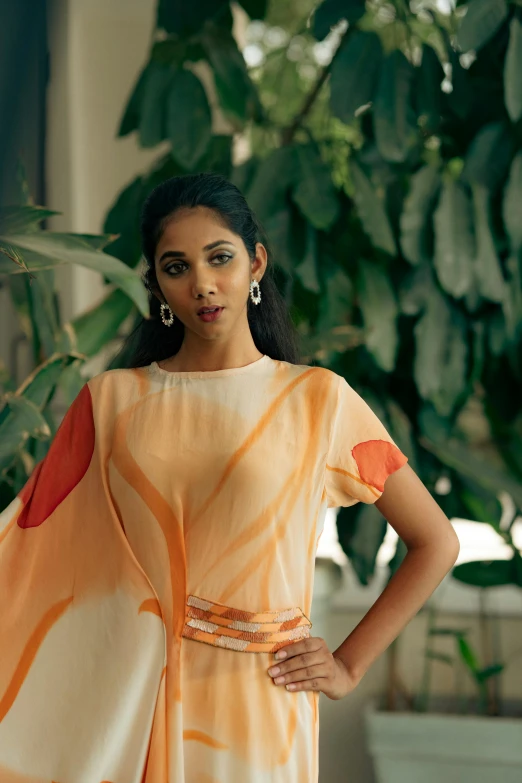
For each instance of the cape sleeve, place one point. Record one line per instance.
(361, 452)
(77, 652)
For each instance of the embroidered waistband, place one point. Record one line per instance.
(237, 629)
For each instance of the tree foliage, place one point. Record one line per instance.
(388, 174)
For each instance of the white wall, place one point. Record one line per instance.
(97, 49)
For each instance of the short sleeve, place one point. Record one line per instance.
(361, 453)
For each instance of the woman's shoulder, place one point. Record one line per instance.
(318, 371)
(322, 377)
(116, 378)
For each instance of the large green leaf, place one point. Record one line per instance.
(22, 417)
(270, 182)
(236, 91)
(307, 269)
(511, 204)
(490, 473)
(415, 219)
(482, 20)
(330, 12)
(152, 118)
(371, 211)
(131, 116)
(482, 505)
(322, 345)
(402, 431)
(513, 71)
(123, 219)
(44, 312)
(415, 288)
(96, 327)
(512, 302)
(487, 267)
(25, 421)
(427, 90)
(394, 121)
(22, 219)
(336, 301)
(441, 353)
(279, 231)
(454, 240)
(489, 156)
(361, 534)
(355, 74)
(189, 119)
(38, 387)
(314, 192)
(379, 309)
(185, 18)
(489, 573)
(256, 9)
(47, 249)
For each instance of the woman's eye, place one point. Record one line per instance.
(173, 269)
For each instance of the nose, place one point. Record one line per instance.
(202, 280)
(202, 287)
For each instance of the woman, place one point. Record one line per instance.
(163, 551)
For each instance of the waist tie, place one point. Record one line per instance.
(237, 629)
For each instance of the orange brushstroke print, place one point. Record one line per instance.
(29, 653)
(69, 457)
(169, 533)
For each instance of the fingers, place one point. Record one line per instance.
(302, 669)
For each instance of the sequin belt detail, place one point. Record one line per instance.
(237, 629)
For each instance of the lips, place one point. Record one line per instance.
(209, 309)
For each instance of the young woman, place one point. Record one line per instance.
(163, 552)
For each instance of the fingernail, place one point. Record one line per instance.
(273, 671)
(281, 654)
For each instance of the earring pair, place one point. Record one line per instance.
(255, 297)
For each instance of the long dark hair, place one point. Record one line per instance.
(270, 323)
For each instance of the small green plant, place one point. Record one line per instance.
(28, 257)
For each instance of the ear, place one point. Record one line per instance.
(259, 262)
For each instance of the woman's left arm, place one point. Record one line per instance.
(433, 548)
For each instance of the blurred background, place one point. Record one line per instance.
(380, 144)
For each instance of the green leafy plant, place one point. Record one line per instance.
(28, 257)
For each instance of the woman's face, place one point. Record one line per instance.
(200, 263)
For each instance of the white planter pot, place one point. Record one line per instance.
(408, 747)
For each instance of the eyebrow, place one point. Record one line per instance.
(180, 254)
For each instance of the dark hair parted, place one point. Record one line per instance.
(270, 323)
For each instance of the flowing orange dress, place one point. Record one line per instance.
(156, 559)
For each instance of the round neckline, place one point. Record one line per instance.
(154, 367)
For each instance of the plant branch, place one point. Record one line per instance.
(289, 133)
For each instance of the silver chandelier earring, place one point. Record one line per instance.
(170, 320)
(255, 297)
